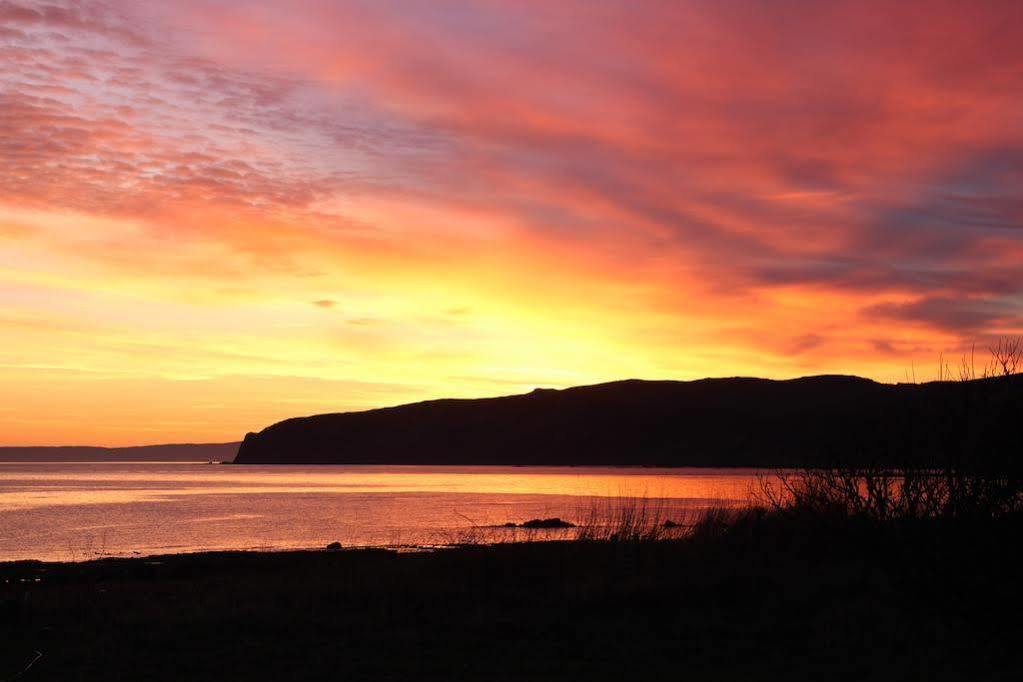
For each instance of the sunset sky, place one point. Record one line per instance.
(218, 214)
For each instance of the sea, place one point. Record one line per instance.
(66, 511)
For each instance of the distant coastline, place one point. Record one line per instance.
(175, 452)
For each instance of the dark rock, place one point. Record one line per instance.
(671, 524)
(548, 523)
(334, 545)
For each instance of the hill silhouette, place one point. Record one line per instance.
(178, 452)
(711, 422)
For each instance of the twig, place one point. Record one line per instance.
(38, 655)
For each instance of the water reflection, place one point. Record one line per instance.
(72, 511)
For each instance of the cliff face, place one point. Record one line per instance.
(712, 422)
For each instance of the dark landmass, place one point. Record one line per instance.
(767, 599)
(814, 421)
(185, 452)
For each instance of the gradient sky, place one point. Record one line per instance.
(217, 214)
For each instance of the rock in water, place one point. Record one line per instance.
(548, 523)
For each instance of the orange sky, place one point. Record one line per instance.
(214, 215)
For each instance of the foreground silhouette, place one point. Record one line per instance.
(768, 596)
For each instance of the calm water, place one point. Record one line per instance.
(70, 511)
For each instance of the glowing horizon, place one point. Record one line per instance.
(216, 215)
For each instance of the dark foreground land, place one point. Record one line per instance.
(769, 598)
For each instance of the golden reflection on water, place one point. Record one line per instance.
(23, 485)
(74, 511)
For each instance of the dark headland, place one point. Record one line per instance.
(811, 421)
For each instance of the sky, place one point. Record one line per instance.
(218, 214)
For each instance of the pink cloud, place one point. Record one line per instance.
(863, 148)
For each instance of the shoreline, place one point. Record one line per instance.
(200, 555)
(405, 465)
(768, 598)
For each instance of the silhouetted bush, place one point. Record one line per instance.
(968, 465)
